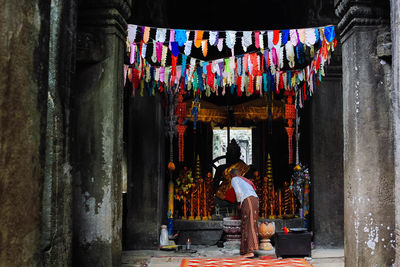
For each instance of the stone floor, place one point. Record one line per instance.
(157, 258)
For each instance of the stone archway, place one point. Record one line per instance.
(326, 122)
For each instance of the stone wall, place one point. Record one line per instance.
(147, 197)
(327, 157)
(147, 191)
(36, 54)
(326, 141)
(96, 133)
(24, 64)
(57, 196)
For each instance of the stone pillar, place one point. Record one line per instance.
(147, 197)
(326, 141)
(327, 157)
(368, 138)
(56, 212)
(97, 133)
(395, 24)
(24, 59)
(147, 181)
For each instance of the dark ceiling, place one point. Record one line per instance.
(225, 14)
(237, 15)
(229, 15)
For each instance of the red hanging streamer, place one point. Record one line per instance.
(275, 40)
(136, 81)
(289, 131)
(251, 84)
(210, 76)
(180, 112)
(253, 58)
(290, 116)
(181, 142)
(173, 63)
(280, 82)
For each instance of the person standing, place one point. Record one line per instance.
(248, 206)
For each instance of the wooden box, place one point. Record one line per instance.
(293, 244)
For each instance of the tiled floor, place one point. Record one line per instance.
(156, 258)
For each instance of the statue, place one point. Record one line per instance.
(222, 179)
(300, 176)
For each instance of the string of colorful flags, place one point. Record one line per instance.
(258, 62)
(272, 61)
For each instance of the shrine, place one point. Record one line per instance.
(263, 86)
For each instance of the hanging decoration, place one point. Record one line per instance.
(180, 37)
(290, 116)
(180, 113)
(283, 65)
(195, 111)
(171, 125)
(297, 137)
(213, 38)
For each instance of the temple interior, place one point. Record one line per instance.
(219, 116)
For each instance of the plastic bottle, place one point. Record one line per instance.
(164, 241)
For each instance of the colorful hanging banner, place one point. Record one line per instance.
(278, 60)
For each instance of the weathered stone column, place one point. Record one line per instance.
(368, 138)
(24, 62)
(97, 133)
(326, 141)
(56, 211)
(395, 25)
(327, 157)
(147, 197)
(147, 181)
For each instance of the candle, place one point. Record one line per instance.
(188, 244)
(171, 199)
